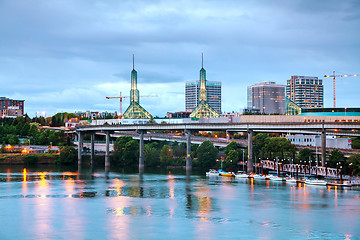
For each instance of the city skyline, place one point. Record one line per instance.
(68, 56)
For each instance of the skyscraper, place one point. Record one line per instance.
(192, 89)
(306, 92)
(135, 110)
(203, 109)
(267, 97)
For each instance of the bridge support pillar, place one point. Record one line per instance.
(141, 151)
(250, 154)
(323, 147)
(107, 146)
(188, 150)
(92, 149)
(80, 145)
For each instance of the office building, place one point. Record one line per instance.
(192, 90)
(11, 107)
(306, 92)
(266, 97)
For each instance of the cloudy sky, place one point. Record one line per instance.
(69, 55)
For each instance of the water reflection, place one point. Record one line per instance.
(67, 204)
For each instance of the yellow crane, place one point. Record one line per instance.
(333, 76)
(121, 100)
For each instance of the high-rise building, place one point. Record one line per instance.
(11, 107)
(192, 90)
(306, 92)
(267, 97)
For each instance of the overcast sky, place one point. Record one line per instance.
(69, 55)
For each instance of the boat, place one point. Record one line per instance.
(212, 172)
(344, 184)
(315, 182)
(259, 177)
(291, 180)
(227, 174)
(276, 178)
(241, 175)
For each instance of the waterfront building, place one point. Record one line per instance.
(267, 97)
(315, 141)
(203, 109)
(181, 114)
(305, 91)
(11, 108)
(135, 111)
(192, 90)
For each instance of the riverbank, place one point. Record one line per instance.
(26, 159)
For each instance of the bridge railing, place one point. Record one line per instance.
(301, 169)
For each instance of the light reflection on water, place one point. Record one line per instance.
(53, 204)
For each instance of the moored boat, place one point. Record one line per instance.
(315, 182)
(212, 172)
(291, 180)
(240, 174)
(259, 177)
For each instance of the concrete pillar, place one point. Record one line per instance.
(323, 147)
(141, 151)
(188, 150)
(80, 145)
(107, 160)
(250, 154)
(92, 149)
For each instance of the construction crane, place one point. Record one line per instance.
(333, 76)
(121, 100)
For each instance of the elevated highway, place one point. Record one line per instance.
(335, 128)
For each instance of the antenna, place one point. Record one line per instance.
(133, 62)
(202, 60)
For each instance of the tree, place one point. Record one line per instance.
(305, 154)
(260, 142)
(130, 156)
(233, 156)
(68, 155)
(119, 147)
(355, 160)
(165, 155)
(335, 157)
(206, 154)
(151, 156)
(231, 146)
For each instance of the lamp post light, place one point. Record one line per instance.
(217, 164)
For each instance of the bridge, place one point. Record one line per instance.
(301, 169)
(338, 128)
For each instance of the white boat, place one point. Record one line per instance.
(291, 180)
(212, 172)
(316, 182)
(259, 177)
(276, 178)
(241, 175)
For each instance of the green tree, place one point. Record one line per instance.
(335, 157)
(119, 147)
(231, 146)
(206, 154)
(232, 155)
(305, 154)
(151, 156)
(260, 142)
(130, 156)
(165, 155)
(68, 155)
(355, 160)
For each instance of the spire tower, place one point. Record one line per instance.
(135, 110)
(203, 109)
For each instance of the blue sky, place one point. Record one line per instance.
(69, 55)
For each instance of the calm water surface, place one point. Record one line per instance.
(61, 204)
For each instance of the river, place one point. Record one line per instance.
(57, 203)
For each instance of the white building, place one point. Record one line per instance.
(315, 141)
